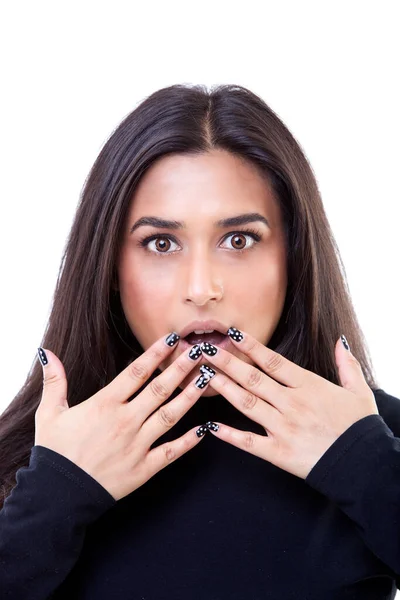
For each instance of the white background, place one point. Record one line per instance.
(71, 71)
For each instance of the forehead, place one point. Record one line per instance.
(208, 184)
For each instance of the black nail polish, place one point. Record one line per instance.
(42, 357)
(201, 431)
(235, 334)
(212, 425)
(345, 342)
(172, 339)
(206, 370)
(208, 349)
(195, 352)
(202, 381)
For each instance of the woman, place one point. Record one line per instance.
(201, 291)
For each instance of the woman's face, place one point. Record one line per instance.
(201, 270)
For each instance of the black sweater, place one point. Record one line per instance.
(216, 524)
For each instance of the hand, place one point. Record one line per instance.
(303, 419)
(110, 437)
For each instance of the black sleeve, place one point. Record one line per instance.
(360, 472)
(43, 524)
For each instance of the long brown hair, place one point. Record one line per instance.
(87, 328)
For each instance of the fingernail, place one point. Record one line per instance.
(42, 357)
(202, 381)
(201, 431)
(172, 339)
(195, 352)
(345, 342)
(235, 334)
(212, 425)
(208, 349)
(206, 370)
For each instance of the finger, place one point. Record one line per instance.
(138, 372)
(271, 362)
(55, 385)
(162, 386)
(350, 372)
(248, 403)
(160, 457)
(168, 415)
(258, 445)
(248, 376)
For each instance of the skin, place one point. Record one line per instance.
(199, 272)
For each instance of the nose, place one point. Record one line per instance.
(202, 283)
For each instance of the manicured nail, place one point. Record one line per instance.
(345, 342)
(212, 425)
(202, 381)
(42, 357)
(235, 334)
(195, 352)
(201, 431)
(206, 370)
(172, 339)
(208, 349)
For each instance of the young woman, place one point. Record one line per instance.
(201, 292)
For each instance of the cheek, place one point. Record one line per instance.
(144, 299)
(262, 284)
(145, 293)
(276, 282)
(275, 274)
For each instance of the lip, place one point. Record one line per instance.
(210, 324)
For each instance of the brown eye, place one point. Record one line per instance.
(162, 244)
(237, 241)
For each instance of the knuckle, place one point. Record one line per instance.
(273, 363)
(295, 404)
(291, 423)
(137, 370)
(169, 453)
(226, 382)
(182, 368)
(187, 444)
(227, 358)
(249, 401)
(118, 430)
(249, 439)
(190, 393)
(158, 389)
(50, 379)
(156, 353)
(166, 417)
(251, 345)
(255, 377)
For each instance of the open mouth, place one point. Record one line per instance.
(212, 338)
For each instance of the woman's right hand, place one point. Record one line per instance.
(109, 437)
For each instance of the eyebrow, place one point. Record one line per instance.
(229, 222)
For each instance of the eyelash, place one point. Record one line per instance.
(254, 234)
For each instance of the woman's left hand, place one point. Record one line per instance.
(303, 419)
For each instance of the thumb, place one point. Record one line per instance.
(350, 373)
(55, 386)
